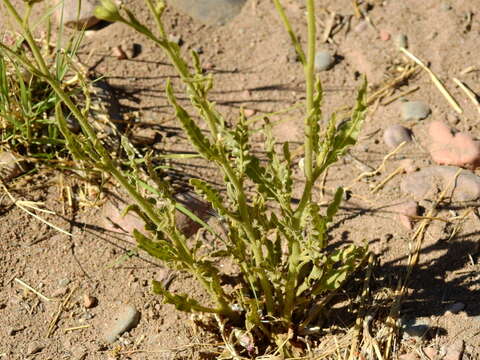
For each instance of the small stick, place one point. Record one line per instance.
(467, 70)
(382, 165)
(329, 26)
(40, 295)
(356, 10)
(436, 81)
(402, 94)
(55, 319)
(469, 92)
(397, 171)
(77, 328)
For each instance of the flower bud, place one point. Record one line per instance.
(108, 11)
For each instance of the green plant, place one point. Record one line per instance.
(27, 102)
(285, 270)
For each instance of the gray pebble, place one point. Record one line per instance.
(414, 328)
(456, 308)
(422, 184)
(210, 12)
(401, 41)
(323, 60)
(445, 6)
(126, 319)
(10, 166)
(73, 18)
(394, 135)
(34, 348)
(414, 110)
(64, 282)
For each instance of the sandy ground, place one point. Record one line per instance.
(252, 62)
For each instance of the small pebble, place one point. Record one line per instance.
(64, 282)
(431, 353)
(176, 39)
(324, 60)
(10, 166)
(394, 135)
(406, 211)
(144, 136)
(455, 308)
(384, 35)
(126, 319)
(445, 6)
(414, 110)
(119, 53)
(60, 292)
(454, 351)
(89, 301)
(249, 112)
(408, 165)
(34, 348)
(401, 41)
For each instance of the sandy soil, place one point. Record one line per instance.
(251, 59)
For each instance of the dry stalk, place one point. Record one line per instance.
(36, 292)
(436, 81)
(469, 92)
(413, 258)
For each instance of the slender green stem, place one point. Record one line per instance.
(294, 256)
(310, 84)
(156, 15)
(288, 27)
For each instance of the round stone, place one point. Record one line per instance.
(324, 60)
(401, 41)
(396, 134)
(414, 110)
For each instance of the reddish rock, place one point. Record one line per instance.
(431, 353)
(114, 221)
(384, 35)
(454, 351)
(406, 212)
(89, 301)
(449, 148)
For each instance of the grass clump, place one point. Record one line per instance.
(286, 269)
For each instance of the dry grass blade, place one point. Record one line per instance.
(436, 81)
(413, 258)
(23, 205)
(469, 92)
(36, 292)
(56, 317)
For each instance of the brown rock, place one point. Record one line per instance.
(89, 301)
(407, 211)
(114, 221)
(455, 351)
(144, 136)
(119, 53)
(431, 353)
(10, 166)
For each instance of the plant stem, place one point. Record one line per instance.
(310, 85)
(295, 251)
(288, 27)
